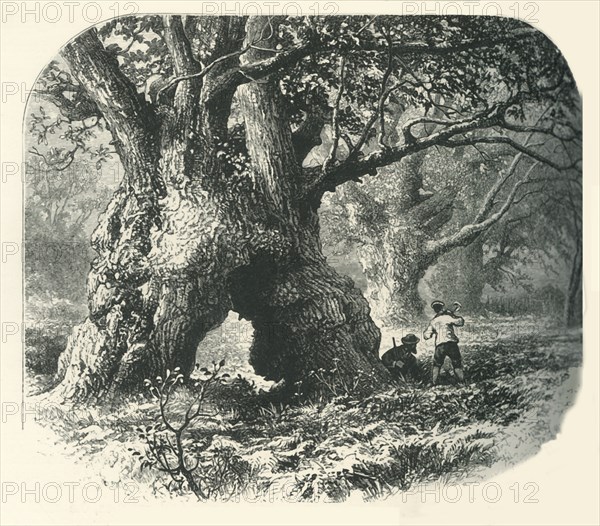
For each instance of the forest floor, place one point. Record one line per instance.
(520, 380)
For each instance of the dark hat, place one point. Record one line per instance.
(437, 305)
(410, 339)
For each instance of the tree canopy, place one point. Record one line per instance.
(353, 74)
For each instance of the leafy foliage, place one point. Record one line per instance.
(60, 203)
(43, 347)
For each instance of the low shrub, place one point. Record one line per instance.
(43, 346)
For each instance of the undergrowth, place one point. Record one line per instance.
(221, 438)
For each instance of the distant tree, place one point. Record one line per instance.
(461, 275)
(59, 203)
(543, 231)
(437, 203)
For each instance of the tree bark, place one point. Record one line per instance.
(307, 318)
(154, 290)
(393, 270)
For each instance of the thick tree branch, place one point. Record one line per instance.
(179, 46)
(99, 74)
(132, 120)
(220, 83)
(352, 170)
(452, 134)
(188, 89)
(242, 74)
(205, 71)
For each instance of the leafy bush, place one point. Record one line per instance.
(43, 346)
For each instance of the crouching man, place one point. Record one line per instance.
(446, 342)
(401, 361)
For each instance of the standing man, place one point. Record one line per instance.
(446, 342)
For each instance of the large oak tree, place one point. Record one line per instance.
(213, 119)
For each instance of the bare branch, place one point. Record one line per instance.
(501, 181)
(539, 129)
(469, 232)
(369, 22)
(511, 142)
(488, 202)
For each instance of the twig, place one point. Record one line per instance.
(382, 99)
(366, 25)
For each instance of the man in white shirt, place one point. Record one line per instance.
(446, 342)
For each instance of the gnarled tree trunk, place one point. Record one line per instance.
(155, 289)
(393, 270)
(306, 316)
(188, 236)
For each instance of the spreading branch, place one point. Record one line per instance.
(489, 201)
(352, 170)
(514, 144)
(469, 232)
(451, 134)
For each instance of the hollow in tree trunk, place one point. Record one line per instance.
(309, 321)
